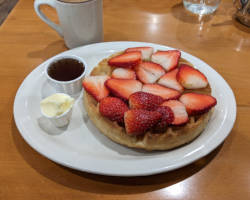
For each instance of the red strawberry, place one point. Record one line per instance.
(167, 59)
(94, 85)
(138, 121)
(146, 51)
(169, 80)
(113, 108)
(164, 92)
(127, 60)
(167, 118)
(191, 78)
(197, 103)
(149, 72)
(123, 88)
(144, 76)
(180, 113)
(143, 100)
(123, 73)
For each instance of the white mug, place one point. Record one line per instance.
(80, 22)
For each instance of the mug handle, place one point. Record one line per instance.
(51, 3)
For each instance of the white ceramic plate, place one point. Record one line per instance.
(81, 146)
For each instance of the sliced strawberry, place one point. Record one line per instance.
(165, 93)
(123, 73)
(94, 85)
(146, 51)
(197, 103)
(143, 100)
(144, 76)
(123, 88)
(169, 80)
(167, 118)
(149, 72)
(126, 60)
(191, 78)
(167, 59)
(113, 108)
(138, 121)
(180, 113)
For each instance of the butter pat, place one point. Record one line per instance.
(56, 104)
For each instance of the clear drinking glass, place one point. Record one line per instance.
(201, 7)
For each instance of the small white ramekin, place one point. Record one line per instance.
(72, 87)
(60, 120)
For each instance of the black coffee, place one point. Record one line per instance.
(66, 69)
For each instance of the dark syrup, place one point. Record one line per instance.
(66, 69)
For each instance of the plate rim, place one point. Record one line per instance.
(150, 172)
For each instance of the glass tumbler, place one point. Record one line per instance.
(201, 7)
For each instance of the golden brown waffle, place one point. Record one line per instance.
(173, 137)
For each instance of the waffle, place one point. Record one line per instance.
(173, 137)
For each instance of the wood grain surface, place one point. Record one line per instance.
(219, 40)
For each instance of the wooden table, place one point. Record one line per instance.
(25, 42)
